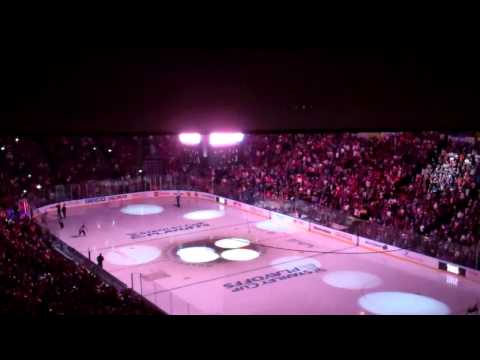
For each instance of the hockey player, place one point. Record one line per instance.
(82, 231)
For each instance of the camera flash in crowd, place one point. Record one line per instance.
(109, 150)
(29, 176)
(39, 186)
(140, 171)
(17, 139)
(2, 148)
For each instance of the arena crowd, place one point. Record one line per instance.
(421, 188)
(413, 190)
(35, 278)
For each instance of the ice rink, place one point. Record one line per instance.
(203, 258)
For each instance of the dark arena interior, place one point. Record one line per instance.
(228, 181)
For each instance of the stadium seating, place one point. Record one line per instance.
(422, 184)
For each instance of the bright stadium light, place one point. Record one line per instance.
(225, 139)
(190, 138)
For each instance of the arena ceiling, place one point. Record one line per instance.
(203, 89)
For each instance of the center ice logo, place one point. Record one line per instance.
(270, 278)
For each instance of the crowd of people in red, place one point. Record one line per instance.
(35, 278)
(413, 190)
(29, 162)
(417, 191)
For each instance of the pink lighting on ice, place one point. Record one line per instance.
(132, 255)
(190, 138)
(225, 139)
(204, 215)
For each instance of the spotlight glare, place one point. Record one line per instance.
(353, 280)
(232, 243)
(274, 226)
(401, 303)
(240, 254)
(204, 215)
(141, 209)
(190, 138)
(225, 139)
(197, 254)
